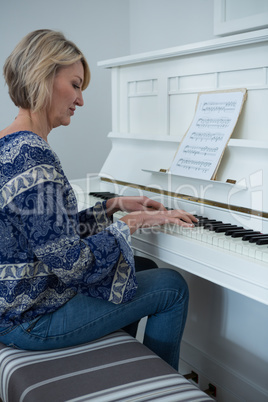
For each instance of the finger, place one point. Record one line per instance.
(186, 216)
(192, 217)
(154, 205)
(183, 223)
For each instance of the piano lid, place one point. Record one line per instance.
(153, 102)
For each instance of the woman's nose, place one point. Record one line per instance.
(79, 100)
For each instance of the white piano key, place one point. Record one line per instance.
(218, 239)
(234, 243)
(265, 255)
(259, 255)
(252, 251)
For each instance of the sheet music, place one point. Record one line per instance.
(203, 145)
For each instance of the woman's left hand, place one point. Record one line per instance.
(133, 204)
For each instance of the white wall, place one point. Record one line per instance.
(158, 24)
(100, 29)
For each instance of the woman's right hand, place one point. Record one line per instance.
(147, 219)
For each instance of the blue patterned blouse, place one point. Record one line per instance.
(48, 251)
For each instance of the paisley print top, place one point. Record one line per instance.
(48, 250)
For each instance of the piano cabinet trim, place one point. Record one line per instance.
(227, 42)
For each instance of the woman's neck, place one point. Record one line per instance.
(35, 122)
(27, 120)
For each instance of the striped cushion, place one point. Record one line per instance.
(113, 368)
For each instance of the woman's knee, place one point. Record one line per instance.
(174, 280)
(163, 279)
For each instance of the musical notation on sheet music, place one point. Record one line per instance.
(196, 150)
(213, 123)
(206, 137)
(219, 107)
(203, 145)
(188, 165)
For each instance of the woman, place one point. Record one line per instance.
(66, 277)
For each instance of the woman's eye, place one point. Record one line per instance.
(76, 86)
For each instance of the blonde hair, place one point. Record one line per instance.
(30, 69)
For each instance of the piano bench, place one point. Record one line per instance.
(115, 367)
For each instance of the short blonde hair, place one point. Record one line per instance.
(30, 69)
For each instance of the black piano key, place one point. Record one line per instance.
(254, 239)
(210, 225)
(248, 236)
(199, 223)
(111, 195)
(241, 233)
(201, 218)
(229, 232)
(223, 229)
(218, 225)
(205, 221)
(262, 240)
(99, 193)
(104, 195)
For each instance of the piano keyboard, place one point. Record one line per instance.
(226, 236)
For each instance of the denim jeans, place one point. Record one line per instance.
(162, 295)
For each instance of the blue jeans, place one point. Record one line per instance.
(162, 295)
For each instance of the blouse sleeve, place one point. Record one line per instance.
(41, 204)
(93, 220)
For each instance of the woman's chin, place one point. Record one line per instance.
(64, 122)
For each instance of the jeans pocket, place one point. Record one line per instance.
(30, 325)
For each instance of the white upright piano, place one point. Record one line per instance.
(153, 103)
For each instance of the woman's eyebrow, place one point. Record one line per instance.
(80, 79)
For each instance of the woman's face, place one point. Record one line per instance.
(66, 95)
